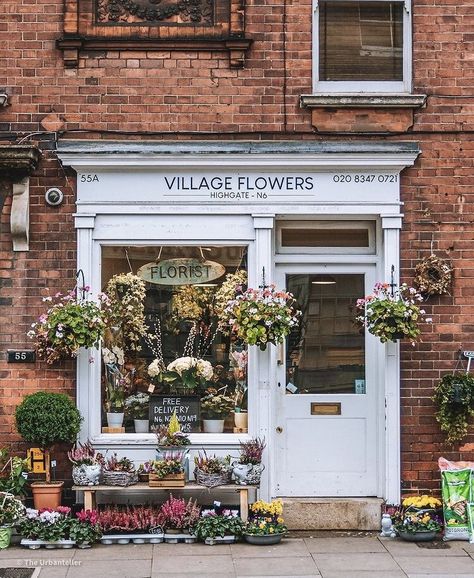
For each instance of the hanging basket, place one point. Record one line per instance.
(433, 276)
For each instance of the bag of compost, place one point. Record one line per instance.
(456, 490)
(470, 520)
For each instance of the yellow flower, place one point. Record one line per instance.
(272, 529)
(280, 520)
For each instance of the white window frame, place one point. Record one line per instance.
(377, 87)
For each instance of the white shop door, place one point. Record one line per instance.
(326, 419)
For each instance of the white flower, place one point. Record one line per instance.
(108, 356)
(154, 369)
(118, 352)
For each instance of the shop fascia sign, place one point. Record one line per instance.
(182, 271)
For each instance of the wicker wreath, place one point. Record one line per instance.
(433, 276)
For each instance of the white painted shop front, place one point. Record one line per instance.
(276, 200)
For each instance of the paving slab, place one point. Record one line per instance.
(292, 547)
(452, 565)
(198, 564)
(116, 552)
(355, 562)
(110, 569)
(287, 566)
(53, 572)
(22, 553)
(343, 544)
(398, 547)
(440, 575)
(358, 574)
(191, 550)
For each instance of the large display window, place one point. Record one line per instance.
(168, 347)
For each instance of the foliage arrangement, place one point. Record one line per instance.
(166, 466)
(187, 372)
(171, 435)
(12, 511)
(211, 524)
(85, 528)
(128, 519)
(391, 316)
(251, 451)
(261, 316)
(14, 473)
(454, 398)
(178, 514)
(216, 406)
(47, 524)
(126, 293)
(136, 406)
(113, 464)
(83, 455)
(211, 464)
(69, 324)
(266, 518)
(433, 276)
(45, 419)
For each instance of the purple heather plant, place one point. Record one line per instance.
(251, 451)
(179, 514)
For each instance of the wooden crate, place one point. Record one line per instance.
(171, 481)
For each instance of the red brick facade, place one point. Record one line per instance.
(195, 94)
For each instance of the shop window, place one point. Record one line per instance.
(185, 290)
(325, 237)
(362, 46)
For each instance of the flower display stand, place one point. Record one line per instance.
(109, 539)
(36, 544)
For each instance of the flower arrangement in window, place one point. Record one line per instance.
(170, 436)
(187, 373)
(215, 405)
(136, 406)
(261, 316)
(391, 315)
(232, 285)
(69, 324)
(118, 380)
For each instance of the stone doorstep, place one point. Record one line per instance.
(332, 513)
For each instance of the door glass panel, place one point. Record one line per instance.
(326, 354)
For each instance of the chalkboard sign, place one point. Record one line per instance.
(187, 409)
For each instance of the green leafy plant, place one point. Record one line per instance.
(45, 419)
(136, 406)
(12, 511)
(16, 478)
(454, 398)
(216, 406)
(85, 527)
(211, 525)
(391, 316)
(69, 324)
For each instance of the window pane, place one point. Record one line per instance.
(182, 320)
(360, 41)
(327, 352)
(324, 237)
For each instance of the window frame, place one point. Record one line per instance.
(370, 86)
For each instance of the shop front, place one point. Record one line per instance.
(321, 220)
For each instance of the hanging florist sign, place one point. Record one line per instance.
(181, 272)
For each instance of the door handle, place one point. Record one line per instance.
(279, 429)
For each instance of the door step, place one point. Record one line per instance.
(332, 513)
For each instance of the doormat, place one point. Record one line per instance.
(16, 572)
(436, 545)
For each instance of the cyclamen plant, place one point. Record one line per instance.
(391, 316)
(47, 524)
(69, 324)
(261, 316)
(85, 528)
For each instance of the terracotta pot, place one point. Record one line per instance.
(47, 495)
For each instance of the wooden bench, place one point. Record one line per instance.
(91, 491)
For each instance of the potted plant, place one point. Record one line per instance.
(390, 314)
(85, 528)
(261, 316)
(15, 478)
(265, 525)
(248, 469)
(212, 527)
(86, 464)
(418, 521)
(183, 375)
(118, 381)
(69, 324)
(119, 472)
(45, 419)
(178, 516)
(48, 526)
(136, 407)
(167, 472)
(143, 471)
(214, 409)
(454, 398)
(212, 471)
(12, 512)
(125, 523)
(239, 359)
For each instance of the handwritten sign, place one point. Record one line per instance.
(187, 409)
(181, 272)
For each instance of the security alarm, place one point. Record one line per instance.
(54, 197)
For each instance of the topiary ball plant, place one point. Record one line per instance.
(46, 419)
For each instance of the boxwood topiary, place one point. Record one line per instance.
(46, 419)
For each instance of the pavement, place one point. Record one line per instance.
(323, 554)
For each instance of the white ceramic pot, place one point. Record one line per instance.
(141, 425)
(86, 475)
(114, 419)
(213, 425)
(241, 419)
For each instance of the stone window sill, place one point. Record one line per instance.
(363, 100)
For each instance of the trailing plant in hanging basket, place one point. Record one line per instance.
(434, 276)
(454, 397)
(391, 316)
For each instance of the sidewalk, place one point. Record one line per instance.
(329, 555)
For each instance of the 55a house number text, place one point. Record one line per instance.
(88, 178)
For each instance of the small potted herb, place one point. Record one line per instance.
(86, 464)
(136, 407)
(178, 516)
(248, 469)
(213, 527)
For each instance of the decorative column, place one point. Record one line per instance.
(391, 225)
(261, 422)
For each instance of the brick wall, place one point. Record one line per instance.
(196, 95)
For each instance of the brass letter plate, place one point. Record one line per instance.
(333, 408)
